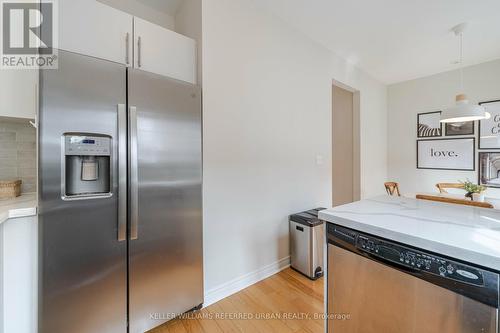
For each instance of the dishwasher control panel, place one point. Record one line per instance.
(479, 284)
(420, 261)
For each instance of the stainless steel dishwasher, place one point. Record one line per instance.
(377, 285)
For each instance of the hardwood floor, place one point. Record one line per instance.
(285, 302)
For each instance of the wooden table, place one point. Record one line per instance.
(460, 199)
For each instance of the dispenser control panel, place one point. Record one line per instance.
(87, 145)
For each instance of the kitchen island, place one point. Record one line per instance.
(467, 233)
(398, 264)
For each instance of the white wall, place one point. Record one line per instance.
(145, 12)
(266, 117)
(405, 100)
(372, 127)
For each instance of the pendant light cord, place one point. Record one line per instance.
(461, 62)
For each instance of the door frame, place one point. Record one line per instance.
(356, 138)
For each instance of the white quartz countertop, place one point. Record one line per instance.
(22, 206)
(462, 232)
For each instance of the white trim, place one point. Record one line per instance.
(233, 286)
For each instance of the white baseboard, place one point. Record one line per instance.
(226, 289)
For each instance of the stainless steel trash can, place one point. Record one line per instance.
(307, 236)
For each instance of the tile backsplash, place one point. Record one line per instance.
(18, 152)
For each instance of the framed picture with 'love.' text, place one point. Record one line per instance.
(446, 154)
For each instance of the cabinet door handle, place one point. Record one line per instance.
(139, 62)
(127, 48)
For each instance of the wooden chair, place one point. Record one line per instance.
(454, 201)
(443, 186)
(392, 188)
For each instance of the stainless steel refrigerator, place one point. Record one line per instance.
(120, 218)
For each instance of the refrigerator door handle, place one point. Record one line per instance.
(122, 172)
(134, 177)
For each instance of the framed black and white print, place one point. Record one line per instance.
(489, 129)
(489, 169)
(465, 128)
(446, 154)
(429, 125)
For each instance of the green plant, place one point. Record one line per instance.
(470, 187)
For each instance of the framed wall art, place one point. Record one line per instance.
(446, 154)
(489, 169)
(465, 128)
(489, 129)
(429, 125)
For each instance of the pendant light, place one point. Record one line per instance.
(462, 111)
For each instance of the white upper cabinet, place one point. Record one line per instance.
(164, 52)
(92, 28)
(18, 93)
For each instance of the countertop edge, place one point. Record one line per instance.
(17, 213)
(468, 256)
(23, 206)
(22, 212)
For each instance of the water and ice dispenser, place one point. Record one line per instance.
(87, 165)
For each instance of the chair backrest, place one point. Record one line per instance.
(443, 186)
(392, 188)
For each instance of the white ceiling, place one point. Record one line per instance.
(397, 40)
(169, 7)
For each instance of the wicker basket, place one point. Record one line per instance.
(10, 188)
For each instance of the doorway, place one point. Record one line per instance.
(345, 145)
